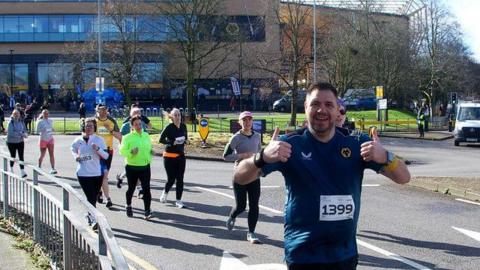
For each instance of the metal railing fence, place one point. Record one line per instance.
(52, 223)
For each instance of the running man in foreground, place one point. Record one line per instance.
(323, 171)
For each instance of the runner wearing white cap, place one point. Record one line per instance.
(244, 144)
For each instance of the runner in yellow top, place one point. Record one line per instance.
(107, 128)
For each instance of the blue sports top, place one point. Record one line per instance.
(320, 226)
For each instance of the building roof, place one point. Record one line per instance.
(396, 7)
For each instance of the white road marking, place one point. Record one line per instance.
(231, 197)
(392, 255)
(216, 192)
(360, 242)
(472, 234)
(370, 185)
(467, 201)
(230, 262)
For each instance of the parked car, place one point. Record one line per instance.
(360, 99)
(467, 123)
(284, 103)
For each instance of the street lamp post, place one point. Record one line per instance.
(99, 40)
(11, 71)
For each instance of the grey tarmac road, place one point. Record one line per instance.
(400, 227)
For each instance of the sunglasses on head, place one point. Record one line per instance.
(343, 112)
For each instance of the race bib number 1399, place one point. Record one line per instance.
(336, 207)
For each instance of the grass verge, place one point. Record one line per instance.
(23, 242)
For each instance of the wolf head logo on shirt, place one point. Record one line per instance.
(307, 156)
(346, 152)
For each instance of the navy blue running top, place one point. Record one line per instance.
(323, 184)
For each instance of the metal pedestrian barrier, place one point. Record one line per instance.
(55, 224)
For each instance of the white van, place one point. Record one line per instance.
(467, 124)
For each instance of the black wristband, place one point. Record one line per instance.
(258, 159)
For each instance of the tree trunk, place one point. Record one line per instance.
(190, 82)
(293, 118)
(126, 92)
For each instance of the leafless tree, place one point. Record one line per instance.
(197, 41)
(365, 49)
(291, 63)
(442, 56)
(123, 50)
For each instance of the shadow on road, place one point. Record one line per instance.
(168, 243)
(458, 250)
(385, 263)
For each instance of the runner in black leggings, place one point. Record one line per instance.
(88, 149)
(136, 147)
(244, 144)
(174, 136)
(16, 133)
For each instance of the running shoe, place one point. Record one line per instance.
(230, 223)
(148, 215)
(100, 198)
(53, 171)
(179, 204)
(252, 238)
(119, 180)
(24, 174)
(163, 198)
(140, 194)
(129, 211)
(95, 226)
(109, 203)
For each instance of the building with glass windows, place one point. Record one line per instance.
(34, 36)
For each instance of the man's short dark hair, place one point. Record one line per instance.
(322, 86)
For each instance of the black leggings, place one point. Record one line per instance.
(175, 168)
(13, 148)
(348, 264)
(91, 187)
(142, 173)
(240, 192)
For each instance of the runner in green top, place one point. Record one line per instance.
(136, 147)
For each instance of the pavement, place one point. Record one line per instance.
(10, 257)
(431, 135)
(466, 188)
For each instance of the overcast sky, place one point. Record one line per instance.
(467, 14)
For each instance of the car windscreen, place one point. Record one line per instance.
(469, 113)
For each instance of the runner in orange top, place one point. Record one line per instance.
(107, 128)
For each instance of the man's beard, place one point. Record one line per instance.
(321, 131)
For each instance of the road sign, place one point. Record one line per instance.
(382, 104)
(203, 129)
(235, 86)
(379, 92)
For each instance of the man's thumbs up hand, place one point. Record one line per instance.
(277, 150)
(373, 150)
(275, 134)
(373, 132)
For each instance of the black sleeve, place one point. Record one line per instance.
(145, 120)
(164, 137)
(185, 131)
